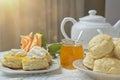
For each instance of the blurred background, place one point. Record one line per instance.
(20, 17)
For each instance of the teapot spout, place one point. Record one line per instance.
(117, 25)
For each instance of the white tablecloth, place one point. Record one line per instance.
(59, 74)
(55, 75)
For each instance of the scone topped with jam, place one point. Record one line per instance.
(37, 58)
(13, 58)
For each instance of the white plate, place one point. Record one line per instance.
(97, 76)
(53, 67)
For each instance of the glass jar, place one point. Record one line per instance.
(70, 51)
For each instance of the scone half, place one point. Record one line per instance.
(13, 62)
(34, 63)
(13, 58)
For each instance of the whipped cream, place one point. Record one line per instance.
(17, 52)
(37, 52)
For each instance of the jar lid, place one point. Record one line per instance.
(92, 17)
(70, 42)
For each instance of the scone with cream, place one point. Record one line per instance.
(13, 58)
(88, 61)
(36, 59)
(100, 45)
(107, 65)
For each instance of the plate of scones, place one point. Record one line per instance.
(102, 59)
(30, 58)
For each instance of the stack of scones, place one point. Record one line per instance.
(103, 54)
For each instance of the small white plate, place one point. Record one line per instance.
(53, 67)
(96, 75)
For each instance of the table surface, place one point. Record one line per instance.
(59, 74)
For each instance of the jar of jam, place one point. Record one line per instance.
(70, 51)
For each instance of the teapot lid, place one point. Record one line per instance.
(92, 17)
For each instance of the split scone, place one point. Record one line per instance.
(100, 45)
(88, 61)
(13, 58)
(37, 58)
(107, 65)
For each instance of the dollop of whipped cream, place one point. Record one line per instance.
(37, 52)
(17, 52)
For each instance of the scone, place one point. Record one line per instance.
(111, 54)
(100, 45)
(36, 59)
(116, 40)
(107, 65)
(88, 61)
(117, 47)
(13, 58)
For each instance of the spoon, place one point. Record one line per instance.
(99, 31)
(79, 36)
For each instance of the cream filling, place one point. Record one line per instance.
(17, 52)
(37, 52)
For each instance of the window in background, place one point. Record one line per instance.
(25, 16)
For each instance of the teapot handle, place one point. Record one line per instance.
(63, 24)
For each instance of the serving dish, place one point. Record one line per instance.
(53, 67)
(95, 75)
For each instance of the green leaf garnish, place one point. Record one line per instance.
(54, 49)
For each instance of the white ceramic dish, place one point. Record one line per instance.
(53, 67)
(95, 75)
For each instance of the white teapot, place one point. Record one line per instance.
(90, 25)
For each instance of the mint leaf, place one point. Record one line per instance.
(54, 49)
